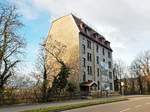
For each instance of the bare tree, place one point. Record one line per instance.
(144, 63)
(47, 70)
(118, 73)
(135, 71)
(54, 52)
(11, 43)
(42, 70)
(20, 81)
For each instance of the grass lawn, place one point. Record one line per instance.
(78, 105)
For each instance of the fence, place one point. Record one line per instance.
(32, 96)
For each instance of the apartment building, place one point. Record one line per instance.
(88, 53)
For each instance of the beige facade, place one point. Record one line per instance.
(87, 53)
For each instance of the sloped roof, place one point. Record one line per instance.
(88, 83)
(100, 39)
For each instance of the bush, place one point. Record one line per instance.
(71, 87)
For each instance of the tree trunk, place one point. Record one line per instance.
(116, 85)
(44, 88)
(148, 87)
(1, 94)
(120, 87)
(140, 85)
(133, 88)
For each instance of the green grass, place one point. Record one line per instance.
(77, 105)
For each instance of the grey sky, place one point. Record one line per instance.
(125, 23)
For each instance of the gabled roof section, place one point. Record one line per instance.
(91, 33)
(89, 83)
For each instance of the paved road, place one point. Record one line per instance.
(22, 107)
(137, 104)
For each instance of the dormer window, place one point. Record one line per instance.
(100, 39)
(106, 43)
(95, 35)
(81, 26)
(86, 30)
(103, 40)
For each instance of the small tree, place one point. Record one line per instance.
(119, 73)
(60, 81)
(142, 68)
(55, 51)
(145, 68)
(136, 72)
(71, 88)
(42, 72)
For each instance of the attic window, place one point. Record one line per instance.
(85, 30)
(95, 35)
(100, 39)
(106, 43)
(81, 26)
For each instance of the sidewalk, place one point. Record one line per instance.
(23, 107)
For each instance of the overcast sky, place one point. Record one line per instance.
(125, 23)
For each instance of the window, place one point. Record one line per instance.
(103, 51)
(83, 48)
(84, 76)
(98, 72)
(97, 48)
(95, 35)
(97, 59)
(89, 56)
(109, 54)
(98, 85)
(109, 64)
(84, 62)
(88, 44)
(103, 60)
(89, 69)
(110, 75)
(83, 38)
(111, 86)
